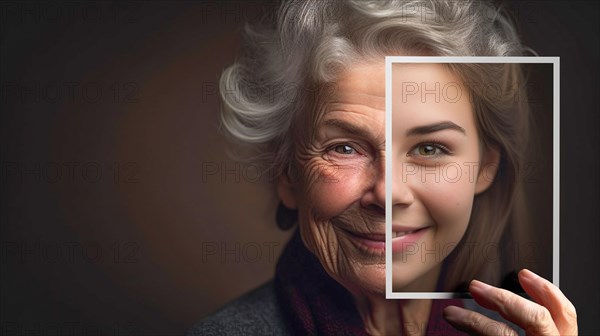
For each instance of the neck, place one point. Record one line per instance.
(394, 317)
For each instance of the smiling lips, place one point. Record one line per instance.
(402, 238)
(405, 237)
(399, 231)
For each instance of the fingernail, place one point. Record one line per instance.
(478, 286)
(453, 314)
(529, 274)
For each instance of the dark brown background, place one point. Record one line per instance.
(171, 229)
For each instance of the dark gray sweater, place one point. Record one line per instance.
(258, 313)
(254, 313)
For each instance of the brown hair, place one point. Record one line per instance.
(498, 220)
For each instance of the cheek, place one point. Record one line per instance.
(449, 203)
(331, 189)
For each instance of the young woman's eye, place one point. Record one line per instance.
(430, 150)
(344, 149)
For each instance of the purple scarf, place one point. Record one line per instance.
(316, 304)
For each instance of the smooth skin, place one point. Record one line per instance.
(434, 142)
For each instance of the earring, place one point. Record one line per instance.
(285, 217)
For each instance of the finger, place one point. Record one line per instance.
(548, 295)
(474, 323)
(533, 318)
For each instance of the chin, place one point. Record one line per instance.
(369, 280)
(405, 278)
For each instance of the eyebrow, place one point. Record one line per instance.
(426, 129)
(347, 127)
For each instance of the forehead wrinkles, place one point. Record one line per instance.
(359, 97)
(373, 101)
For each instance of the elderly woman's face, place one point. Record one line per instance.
(340, 194)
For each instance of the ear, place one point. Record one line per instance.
(488, 170)
(286, 191)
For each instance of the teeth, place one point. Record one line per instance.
(401, 234)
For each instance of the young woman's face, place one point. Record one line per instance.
(340, 193)
(436, 161)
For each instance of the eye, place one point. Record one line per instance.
(429, 150)
(344, 149)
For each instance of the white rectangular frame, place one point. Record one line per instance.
(389, 60)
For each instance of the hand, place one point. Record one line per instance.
(551, 313)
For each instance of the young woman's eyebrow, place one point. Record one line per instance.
(431, 128)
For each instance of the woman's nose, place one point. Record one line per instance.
(402, 194)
